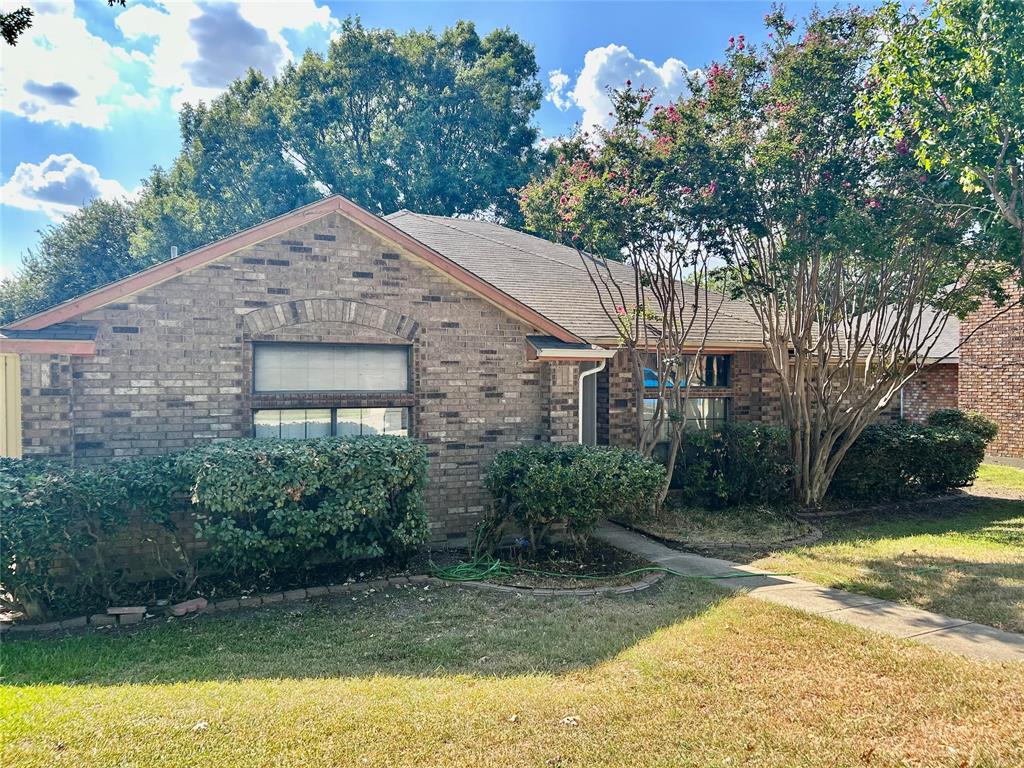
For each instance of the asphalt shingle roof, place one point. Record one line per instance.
(550, 278)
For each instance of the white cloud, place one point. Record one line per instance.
(59, 185)
(557, 80)
(200, 47)
(61, 72)
(610, 67)
(184, 50)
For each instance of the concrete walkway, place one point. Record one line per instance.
(957, 635)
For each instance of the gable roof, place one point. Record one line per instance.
(272, 227)
(552, 278)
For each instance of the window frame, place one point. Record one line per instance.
(256, 345)
(716, 423)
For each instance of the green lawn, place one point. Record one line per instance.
(964, 560)
(1000, 480)
(680, 675)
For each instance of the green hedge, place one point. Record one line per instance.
(889, 462)
(750, 463)
(261, 506)
(743, 463)
(572, 487)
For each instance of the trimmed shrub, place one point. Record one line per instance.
(572, 487)
(261, 506)
(750, 463)
(743, 463)
(896, 461)
(54, 525)
(953, 418)
(268, 505)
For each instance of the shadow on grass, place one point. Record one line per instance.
(980, 521)
(415, 631)
(965, 561)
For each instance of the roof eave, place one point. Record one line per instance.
(166, 270)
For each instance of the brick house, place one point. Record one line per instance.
(330, 320)
(991, 372)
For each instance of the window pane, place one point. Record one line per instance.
(330, 368)
(266, 424)
(396, 421)
(349, 422)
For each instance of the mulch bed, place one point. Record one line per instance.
(566, 566)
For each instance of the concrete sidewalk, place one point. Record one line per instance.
(957, 635)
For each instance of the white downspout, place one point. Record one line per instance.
(583, 375)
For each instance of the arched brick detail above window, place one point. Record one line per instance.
(268, 319)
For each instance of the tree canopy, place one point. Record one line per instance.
(949, 85)
(437, 123)
(852, 257)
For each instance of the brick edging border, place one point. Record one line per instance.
(295, 595)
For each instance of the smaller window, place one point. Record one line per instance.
(703, 413)
(715, 371)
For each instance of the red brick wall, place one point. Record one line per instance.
(933, 388)
(992, 373)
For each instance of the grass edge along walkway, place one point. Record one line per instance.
(884, 616)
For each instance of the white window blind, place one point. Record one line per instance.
(331, 368)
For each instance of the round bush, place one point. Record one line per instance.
(572, 487)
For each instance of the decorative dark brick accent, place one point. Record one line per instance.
(324, 238)
(278, 291)
(362, 274)
(279, 262)
(251, 260)
(124, 329)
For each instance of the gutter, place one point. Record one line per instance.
(579, 397)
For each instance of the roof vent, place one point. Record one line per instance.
(174, 251)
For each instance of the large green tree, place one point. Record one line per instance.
(89, 248)
(436, 123)
(433, 123)
(231, 173)
(949, 83)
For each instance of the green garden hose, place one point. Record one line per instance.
(488, 568)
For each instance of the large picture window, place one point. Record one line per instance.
(304, 423)
(330, 368)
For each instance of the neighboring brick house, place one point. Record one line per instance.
(991, 375)
(330, 320)
(936, 386)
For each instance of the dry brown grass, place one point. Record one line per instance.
(723, 681)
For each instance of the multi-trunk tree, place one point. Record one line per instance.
(853, 259)
(629, 200)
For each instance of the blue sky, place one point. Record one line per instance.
(90, 93)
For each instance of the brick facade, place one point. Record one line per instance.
(173, 363)
(991, 377)
(932, 389)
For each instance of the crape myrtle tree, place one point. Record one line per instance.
(851, 256)
(950, 83)
(630, 200)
